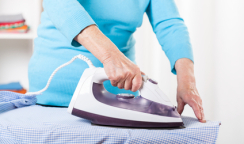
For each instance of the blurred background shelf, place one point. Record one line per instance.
(29, 35)
(16, 49)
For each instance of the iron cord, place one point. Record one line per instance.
(82, 57)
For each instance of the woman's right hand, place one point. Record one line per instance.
(122, 72)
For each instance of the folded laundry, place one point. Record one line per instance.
(13, 24)
(22, 91)
(11, 18)
(11, 86)
(22, 29)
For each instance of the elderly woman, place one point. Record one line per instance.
(102, 30)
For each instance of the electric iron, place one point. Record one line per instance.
(152, 109)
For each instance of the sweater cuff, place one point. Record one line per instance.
(176, 54)
(75, 24)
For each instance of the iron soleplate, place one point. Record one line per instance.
(109, 121)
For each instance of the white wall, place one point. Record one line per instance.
(229, 69)
(217, 34)
(14, 59)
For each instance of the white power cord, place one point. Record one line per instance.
(82, 57)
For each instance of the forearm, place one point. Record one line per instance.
(97, 43)
(185, 72)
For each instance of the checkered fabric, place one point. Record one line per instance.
(37, 124)
(11, 100)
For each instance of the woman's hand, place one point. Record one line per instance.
(186, 91)
(120, 70)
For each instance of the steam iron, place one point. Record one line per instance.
(152, 109)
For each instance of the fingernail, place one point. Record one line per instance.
(203, 121)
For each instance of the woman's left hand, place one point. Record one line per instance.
(186, 91)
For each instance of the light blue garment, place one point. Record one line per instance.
(37, 124)
(62, 20)
(12, 100)
(11, 86)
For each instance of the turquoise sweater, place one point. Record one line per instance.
(62, 20)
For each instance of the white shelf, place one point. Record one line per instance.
(28, 35)
(16, 49)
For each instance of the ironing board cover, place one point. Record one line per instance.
(37, 124)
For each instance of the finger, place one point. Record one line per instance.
(196, 108)
(121, 84)
(199, 102)
(203, 120)
(136, 82)
(117, 80)
(114, 83)
(180, 106)
(143, 73)
(128, 84)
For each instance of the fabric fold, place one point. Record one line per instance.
(11, 100)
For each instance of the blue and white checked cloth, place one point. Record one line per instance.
(12, 100)
(37, 124)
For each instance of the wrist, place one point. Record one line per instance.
(185, 71)
(184, 66)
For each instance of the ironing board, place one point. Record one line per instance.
(38, 124)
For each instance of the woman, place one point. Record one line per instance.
(102, 31)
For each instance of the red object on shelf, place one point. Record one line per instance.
(10, 23)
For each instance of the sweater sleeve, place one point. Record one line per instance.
(170, 30)
(69, 17)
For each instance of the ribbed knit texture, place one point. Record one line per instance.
(62, 20)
